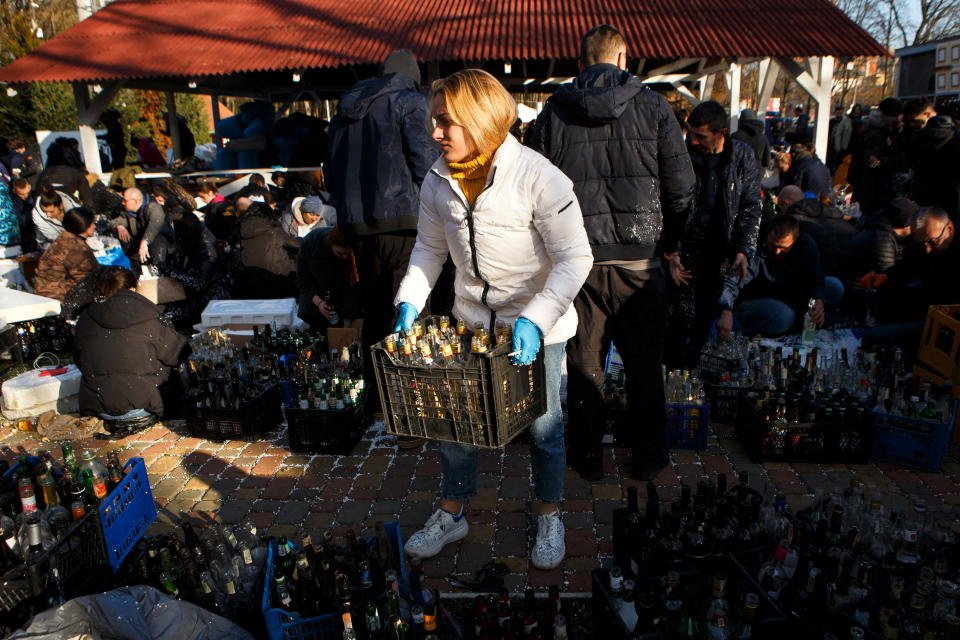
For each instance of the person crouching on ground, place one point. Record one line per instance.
(125, 354)
(512, 225)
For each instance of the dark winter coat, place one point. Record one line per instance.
(809, 173)
(69, 180)
(319, 272)
(792, 279)
(833, 234)
(873, 186)
(740, 181)
(751, 133)
(935, 157)
(876, 247)
(125, 352)
(265, 244)
(379, 152)
(622, 147)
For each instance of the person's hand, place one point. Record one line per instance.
(725, 324)
(144, 251)
(322, 306)
(406, 314)
(740, 267)
(818, 313)
(526, 340)
(872, 280)
(122, 234)
(873, 162)
(678, 274)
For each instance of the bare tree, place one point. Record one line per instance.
(938, 19)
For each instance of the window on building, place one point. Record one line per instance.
(955, 79)
(941, 81)
(942, 54)
(955, 52)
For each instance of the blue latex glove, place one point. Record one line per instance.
(406, 314)
(526, 340)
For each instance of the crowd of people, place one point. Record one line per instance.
(611, 219)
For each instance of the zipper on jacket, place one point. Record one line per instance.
(473, 241)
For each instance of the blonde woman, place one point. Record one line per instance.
(512, 225)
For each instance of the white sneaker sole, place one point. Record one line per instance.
(455, 537)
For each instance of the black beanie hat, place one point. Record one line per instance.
(900, 212)
(891, 107)
(401, 61)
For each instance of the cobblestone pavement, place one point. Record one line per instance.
(290, 494)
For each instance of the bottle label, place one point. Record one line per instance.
(247, 557)
(33, 534)
(616, 583)
(99, 488)
(29, 503)
(77, 511)
(231, 588)
(909, 535)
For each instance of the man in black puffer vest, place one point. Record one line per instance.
(722, 228)
(620, 144)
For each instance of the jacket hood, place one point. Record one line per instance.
(599, 94)
(751, 127)
(357, 101)
(254, 225)
(938, 132)
(125, 309)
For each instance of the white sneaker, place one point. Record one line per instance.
(439, 531)
(549, 548)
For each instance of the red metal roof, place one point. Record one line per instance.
(154, 38)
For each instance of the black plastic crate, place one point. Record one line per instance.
(716, 369)
(78, 558)
(486, 403)
(333, 431)
(770, 621)
(254, 417)
(847, 443)
(723, 402)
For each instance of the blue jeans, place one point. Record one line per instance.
(547, 452)
(771, 317)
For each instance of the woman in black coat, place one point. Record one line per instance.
(125, 354)
(268, 256)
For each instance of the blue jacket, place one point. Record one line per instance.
(379, 152)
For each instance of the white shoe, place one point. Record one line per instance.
(439, 531)
(549, 548)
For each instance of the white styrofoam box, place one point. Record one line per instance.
(10, 273)
(10, 251)
(18, 306)
(30, 389)
(67, 404)
(282, 312)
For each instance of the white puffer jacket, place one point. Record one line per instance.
(520, 251)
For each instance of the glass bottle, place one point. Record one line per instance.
(718, 610)
(744, 630)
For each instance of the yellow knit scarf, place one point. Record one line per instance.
(472, 176)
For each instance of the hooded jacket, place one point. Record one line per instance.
(739, 180)
(935, 156)
(266, 245)
(125, 352)
(876, 247)
(621, 145)
(47, 229)
(65, 263)
(809, 173)
(379, 152)
(752, 134)
(520, 250)
(833, 234)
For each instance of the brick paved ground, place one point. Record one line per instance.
(290, 494)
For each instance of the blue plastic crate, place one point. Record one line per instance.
(688, 425)
(127, 512)
(912, 442)
(283, 625)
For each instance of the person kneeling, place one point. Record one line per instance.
(782, 277)
(125, 354)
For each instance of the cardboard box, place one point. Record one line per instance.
(160, 290)
(340, 339)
